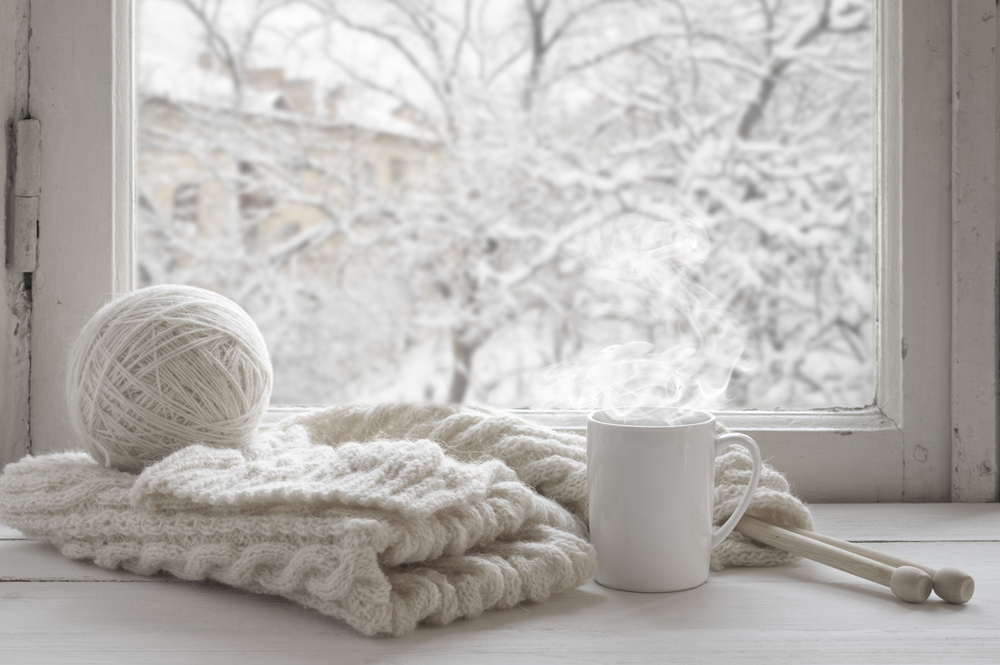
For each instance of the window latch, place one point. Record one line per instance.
(22, 236)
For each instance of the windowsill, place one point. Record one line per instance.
(803, 612)
(836, 418)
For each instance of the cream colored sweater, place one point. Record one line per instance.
(383, 516)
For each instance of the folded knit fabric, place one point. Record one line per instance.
(382, 516)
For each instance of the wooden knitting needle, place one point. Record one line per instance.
(906, 582)
(950, 584)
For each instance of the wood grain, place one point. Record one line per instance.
(913, 293)
(878, 523)
(802, 613)
(15, 300)
(974, 453)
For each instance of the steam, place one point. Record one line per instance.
(646, 269)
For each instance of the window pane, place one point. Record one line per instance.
(521, 202)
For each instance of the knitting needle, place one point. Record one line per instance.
(950, 584)
(906, 582)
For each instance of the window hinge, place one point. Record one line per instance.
(22, 246)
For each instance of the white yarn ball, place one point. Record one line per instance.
(165, 367)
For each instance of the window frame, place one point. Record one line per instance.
(907, 446)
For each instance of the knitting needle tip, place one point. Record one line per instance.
(953, 585)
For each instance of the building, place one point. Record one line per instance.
(291, 160)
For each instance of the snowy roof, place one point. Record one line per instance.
(175, 65)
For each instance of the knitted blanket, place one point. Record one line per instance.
(382, 516)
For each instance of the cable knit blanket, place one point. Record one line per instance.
(382, 516)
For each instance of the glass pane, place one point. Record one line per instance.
(546, 203)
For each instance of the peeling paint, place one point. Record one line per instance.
(15, 291)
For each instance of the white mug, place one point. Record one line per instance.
(651, 497)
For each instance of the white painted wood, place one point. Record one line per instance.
(15, 304)
(975, 473)
(913, 154)
(81, 92)
(807, 620)
(880, 523)
(33, 560)
(800, 613)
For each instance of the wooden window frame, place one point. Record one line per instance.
(930, 435)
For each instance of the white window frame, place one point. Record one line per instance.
(931, 434)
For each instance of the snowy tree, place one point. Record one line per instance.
(555, 148)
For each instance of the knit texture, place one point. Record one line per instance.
(382, 516)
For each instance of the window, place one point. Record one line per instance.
(533, 212)
(898, 449)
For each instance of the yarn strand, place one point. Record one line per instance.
(165, 367)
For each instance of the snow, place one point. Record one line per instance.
(509, 214)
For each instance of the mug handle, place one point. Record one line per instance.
(720, 444)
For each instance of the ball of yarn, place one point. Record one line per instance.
(165, 367)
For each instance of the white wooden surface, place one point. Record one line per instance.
(14, 301)
(912, 239)
(81, 92)
(53, 610)
(975, 472)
